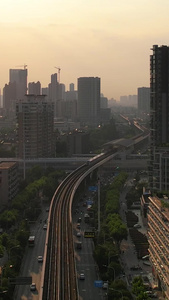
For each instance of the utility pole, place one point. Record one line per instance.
(98, 184)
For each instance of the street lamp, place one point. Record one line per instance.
(17, 246)
(109, 257)
(117, 291)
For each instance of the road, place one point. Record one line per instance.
(30, 265)
(85, 262)
(128, 254)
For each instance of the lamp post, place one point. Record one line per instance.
(98, 184)
(109, 267)
(17, 246)
(109, 257)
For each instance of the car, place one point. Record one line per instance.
(105, 285)
(45, 226)
(147, 263)
(33, 287)
(82, 276)
(78, 234)
(137, 226)
(134, 268)
(78, 226)
(47, 209)
(149, 292)
(40, 258)
(79, 220)
(146, 257)
(153, 295)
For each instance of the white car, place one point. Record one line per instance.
(33, 287)
(82, 276)
(40, 258)
(45, 226)
(78, 234)
(105, 285)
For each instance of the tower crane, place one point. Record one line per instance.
(59, 69)
(24, 66)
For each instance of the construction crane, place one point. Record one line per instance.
(24, 66)
(58, 73)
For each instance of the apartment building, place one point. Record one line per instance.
(35, 127)
(89, 100)
(159, 117)
(158, 238)
(143, 100)
(8, 183)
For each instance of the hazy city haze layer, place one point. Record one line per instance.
(108, 39)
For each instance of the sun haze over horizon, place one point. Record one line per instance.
(107, 39)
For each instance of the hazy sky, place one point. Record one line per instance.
(105, 38)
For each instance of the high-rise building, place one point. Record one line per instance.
(53, 88)
(9, 98)
(45, 91)
(34, 88)
(35, 123)
(71, 87)
(159, 117)
(89, 100)
(9, 183)
(19, 77)
(144, 100)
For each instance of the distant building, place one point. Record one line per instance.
(65, 126)
(54, 93)
(9, 98)
(89, 100)
(53, 88)
(45, 91)
(35, 123)
(70, 110)
(15, 90)
(19, 78)
(8, 183)
(144, 100)
(130, 100)
(124, 100)
(71, 87)
(34, 88)
(77, 143)
(112, 102)
(105, 115)
(103, 102)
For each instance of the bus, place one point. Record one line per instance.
(31, 241)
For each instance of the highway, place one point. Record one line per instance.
(30, 265)
(85, 262)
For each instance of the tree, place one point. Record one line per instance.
(138, 288)
(8, 218)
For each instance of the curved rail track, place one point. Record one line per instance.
(59, 274)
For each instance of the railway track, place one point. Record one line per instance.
(59, 274)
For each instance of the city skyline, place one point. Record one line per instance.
(108, 40)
